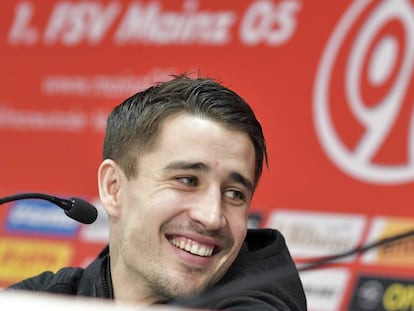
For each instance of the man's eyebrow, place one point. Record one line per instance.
(242, 180)
(185, 165)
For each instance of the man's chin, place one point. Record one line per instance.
(179, 287)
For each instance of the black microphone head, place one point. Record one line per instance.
(82, 211)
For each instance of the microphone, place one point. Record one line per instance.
(75, 208)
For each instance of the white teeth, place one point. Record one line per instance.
(193, 247)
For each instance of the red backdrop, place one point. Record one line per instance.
(331, 81)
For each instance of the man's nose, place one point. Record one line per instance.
(207, 209)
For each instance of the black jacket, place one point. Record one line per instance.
(263, 277)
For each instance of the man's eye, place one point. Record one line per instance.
(236, 195)
(192, 181)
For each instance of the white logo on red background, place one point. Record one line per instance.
(72, 23)
(364, 92)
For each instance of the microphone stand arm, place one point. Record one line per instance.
(65, 204)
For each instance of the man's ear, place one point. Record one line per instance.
(109, 184)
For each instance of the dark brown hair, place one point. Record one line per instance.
(133, 126)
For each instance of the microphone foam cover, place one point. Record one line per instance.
(82, 211)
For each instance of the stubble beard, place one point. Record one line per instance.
(167, 287)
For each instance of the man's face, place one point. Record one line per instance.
(184, 216)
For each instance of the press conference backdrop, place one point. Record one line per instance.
(331, 81)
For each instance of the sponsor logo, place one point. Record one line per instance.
(324, 289)
(400, 252)
(20, 258)
(382, 294)
(37, 216)
(362, 102)
(313, 234)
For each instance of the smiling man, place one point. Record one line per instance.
(182, 160)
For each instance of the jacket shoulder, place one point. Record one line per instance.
(64, 281)
(266, 270)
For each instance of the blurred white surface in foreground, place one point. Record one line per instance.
(40, 301)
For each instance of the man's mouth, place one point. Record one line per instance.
(192, 246)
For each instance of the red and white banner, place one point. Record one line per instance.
(331, 82)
